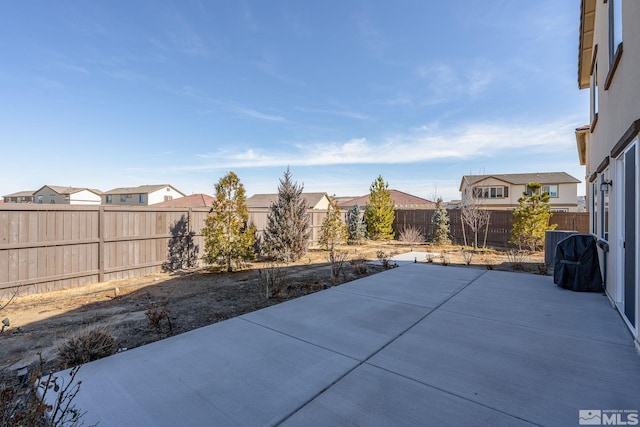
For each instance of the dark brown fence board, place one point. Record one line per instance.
(499, 230)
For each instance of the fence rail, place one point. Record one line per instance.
(49, 247)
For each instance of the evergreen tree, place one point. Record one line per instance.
(357, 228)
(531, 218)
(379, 212)
(333, 231)
(286, 237)
(440, 224)
(227, 237)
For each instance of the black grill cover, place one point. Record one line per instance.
(576, 265)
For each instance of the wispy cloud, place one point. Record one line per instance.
(248, 18)
(446, 83)
(370, 35)
(250, 112)
(428, 143)
(342, 113)
(71, 67)
(181, 37)
(128, 75)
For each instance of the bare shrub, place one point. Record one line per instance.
(385, 259)
(467, 256)
(445, 260)
(6, 322)
(274, 279)
(157, 312)
(517, 258)
(411, 234)
(31, 404)
(92, 344)
(359, 265)
(337, 260)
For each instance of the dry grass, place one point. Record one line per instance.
(92, 344)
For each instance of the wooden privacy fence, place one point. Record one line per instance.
(498, 231)
(50, 247)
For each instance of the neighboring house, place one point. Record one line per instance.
(192, 201)
(142, 195)
(400, 199)
(609, 148)
(19, 197)
(67, 195)
(317, 201)
(502, 191)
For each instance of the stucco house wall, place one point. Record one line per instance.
(610, 72)
(66, 196)
(565, 199)
(142, 195)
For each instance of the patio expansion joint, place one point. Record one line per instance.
(543, 330)
(366, 360)
(297, 338)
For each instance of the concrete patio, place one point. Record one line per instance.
(415, 345)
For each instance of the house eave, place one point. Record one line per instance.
(585, 49)
(582, 134)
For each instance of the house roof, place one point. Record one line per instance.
(265, 200)
(192, 201)
(585, 49)
(400, 199)
(141, 189)
(523, 178)
(68, 190)
(20, 194)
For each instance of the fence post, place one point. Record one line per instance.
(101, 244)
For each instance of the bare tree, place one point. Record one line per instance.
(475, 216)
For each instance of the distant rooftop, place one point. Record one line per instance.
(401, 199)
(192, 201)
(265, 200)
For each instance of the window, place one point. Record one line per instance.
(167, 198)
(123, 198)
(490, 192)
(140, 198)
(52, 198)
(109, 199)
(604, 206)
(615, 29)
(40, 199)
(551, 189)
(594, 94)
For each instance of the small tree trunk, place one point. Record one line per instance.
(486, 231)
(464, 235)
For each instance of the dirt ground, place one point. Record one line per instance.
(40, 323)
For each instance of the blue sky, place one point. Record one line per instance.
(105, 94)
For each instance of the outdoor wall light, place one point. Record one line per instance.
(605, 186)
